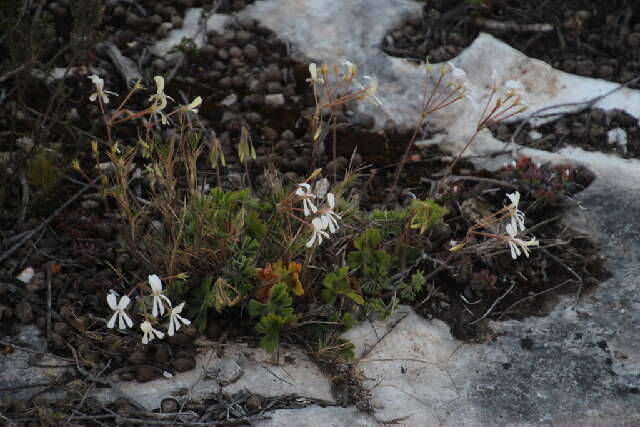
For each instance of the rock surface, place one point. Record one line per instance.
(239, 368)
(28, 369)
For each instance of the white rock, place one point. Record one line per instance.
(26, 275)
(300, 376)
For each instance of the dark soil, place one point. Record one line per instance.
(244, 85)
(598, 38)
(591, 130)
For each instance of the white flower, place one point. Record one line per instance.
(313, 71)
(159, 99)
(457, 74)
(318, 232)
(118, 308)
(193, 107)
(517, 216)
(304, 192)
(371, 90)
(100, 92)
(175, 319)
(328, 216)
(516, 244)
(156, 292)
(351, 69)
(149, 332)
(515, 89)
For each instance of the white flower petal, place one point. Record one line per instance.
(124, 302)
(183, 319)
(112, 322)
(159, 84)
(121, 324)
(331, 200)
(155, 283)
(112, 301)
(127, 319)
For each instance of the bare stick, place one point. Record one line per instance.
(513, 27)
(533, 296)
(500, 298)
(583, 106)
(49, 326)
(48, 220)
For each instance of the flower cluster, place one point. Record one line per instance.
(326, 217)
(516, 244)
(158, 101)
(160, 304)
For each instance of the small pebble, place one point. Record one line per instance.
(274, 100)
(169, 405)
(145, 374)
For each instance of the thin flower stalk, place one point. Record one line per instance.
(443, 93)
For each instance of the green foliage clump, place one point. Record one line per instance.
(373, 263)
(426, 214)
(42, 172)
(276, 314)
(337, 284)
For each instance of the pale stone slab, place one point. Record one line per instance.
(299, 376)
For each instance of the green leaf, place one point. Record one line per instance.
(280, 303)
(355, 297)
(426, 213)
(337, 283)
(271, 326)
(203, 298)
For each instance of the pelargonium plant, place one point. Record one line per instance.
(161, 304)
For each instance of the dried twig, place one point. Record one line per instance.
(49, 322)
(508, 309)
(391, 328)
(202, 28)
(500, 298)
(7, 420)
(126, 66)
(583, 105)
(24, 203)
(512, 27)
(48, 220)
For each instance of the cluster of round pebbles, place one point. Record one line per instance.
(612, 131)
(593, 42)
(128, 22)
(249, 79)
